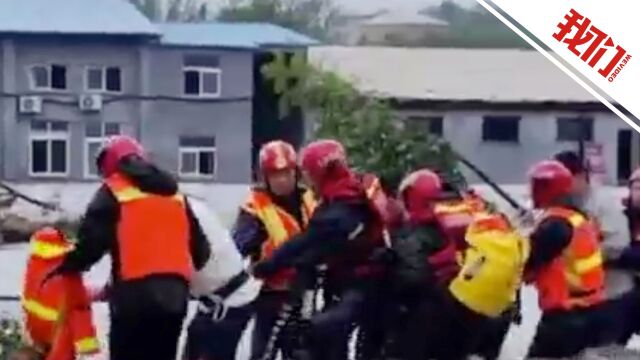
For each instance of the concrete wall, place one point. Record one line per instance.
(228, 119)
(509, 162)
(146, 70)
(76, 56)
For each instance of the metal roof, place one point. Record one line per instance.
(232, 35)
(404, 17)
(489, 75)
(87, 17)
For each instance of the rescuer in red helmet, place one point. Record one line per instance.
(276, 210)
(458, 272)
(566, 267)
(155, 242)
(345, 232)
(58, 317)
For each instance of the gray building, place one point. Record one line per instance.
(502, 109)
(75, 71)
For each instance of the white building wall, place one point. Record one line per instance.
(508, 163)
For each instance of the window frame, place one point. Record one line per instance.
(197, 175)
(49, 136)
(49, 68)
(90, 140)
(201, 70)
(581, 120)
(426, 123)
(485, 139)
(103, 69)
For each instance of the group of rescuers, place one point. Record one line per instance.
(429, 271)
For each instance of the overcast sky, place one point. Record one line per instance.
(360, 6)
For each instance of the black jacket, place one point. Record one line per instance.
(337, 230)
(413, 245)
(97, 236)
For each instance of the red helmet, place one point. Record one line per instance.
(322, 158)
(49, 243)
(277, 155)
(419, 191)
(550, 181)
(114, 149)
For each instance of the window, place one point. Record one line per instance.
(433, 125)
(197, 157)
(106, 79)
(95, 134)
(204, 82)
(49, 77)
(575, 129)
(501, 129)
(202, 76)
(49, 148)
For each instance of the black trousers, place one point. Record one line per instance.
(563, 334)
(331, 328)
(217, 340)
(490, 343)
(267, 308)
(440, 328)
(623, 314)
(146, 317)
(146, 335)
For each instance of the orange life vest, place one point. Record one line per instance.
(149, 222)
(58, 315)
(576, 278)
(280, 227)
(454, 217)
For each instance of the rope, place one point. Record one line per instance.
(283, 319)
(300, 308)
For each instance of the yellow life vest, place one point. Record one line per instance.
(491, 266)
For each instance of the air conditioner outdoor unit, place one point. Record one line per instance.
(90, 102)
(30, 105)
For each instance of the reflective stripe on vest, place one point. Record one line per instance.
(452, 208)
(41, 311)
(279, 224)
(148, 220)
(280, 227)
(131, 193)
(579, 266)
(87, 345)
(577, 275)
(46, 250)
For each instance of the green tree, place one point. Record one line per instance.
(310, 17)
(176, 10)
(472, 28)
(377, 141)
(287, 73)
(10, 337)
